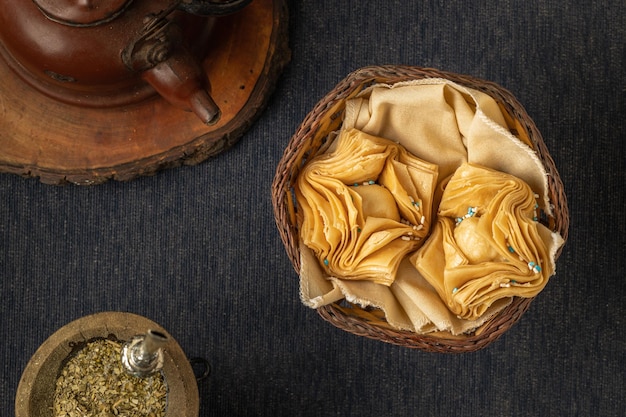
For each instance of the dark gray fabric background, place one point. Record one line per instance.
(196, 249)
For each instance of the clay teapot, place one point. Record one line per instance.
(108, 53)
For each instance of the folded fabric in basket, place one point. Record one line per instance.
(480, 244)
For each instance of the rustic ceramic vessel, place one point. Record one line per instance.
(35, 391)
(92, 90)
(106, 53)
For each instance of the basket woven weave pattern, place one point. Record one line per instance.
(311, 137)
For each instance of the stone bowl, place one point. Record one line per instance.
(34, 397)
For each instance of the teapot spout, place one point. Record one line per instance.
(202, 104)
(180, 80)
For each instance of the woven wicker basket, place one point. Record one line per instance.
(312, 134)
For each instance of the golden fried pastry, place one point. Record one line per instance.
(365, 205)
(487, 243)
(365, 209)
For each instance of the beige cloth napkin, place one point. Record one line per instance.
(439, 123)
(446, 124)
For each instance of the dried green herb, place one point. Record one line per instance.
(93, 383)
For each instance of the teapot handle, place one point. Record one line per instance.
(212, 8)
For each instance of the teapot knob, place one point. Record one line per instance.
(82, 13)
(212, 8)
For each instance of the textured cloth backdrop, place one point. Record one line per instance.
(196, 249)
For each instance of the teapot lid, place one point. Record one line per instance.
(82, 12)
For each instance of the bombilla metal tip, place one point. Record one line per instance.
(143, 355)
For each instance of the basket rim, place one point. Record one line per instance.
(313, 130)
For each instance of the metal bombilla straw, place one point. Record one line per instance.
(143, 355)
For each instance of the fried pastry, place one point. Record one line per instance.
(365, 204)
(487, 243)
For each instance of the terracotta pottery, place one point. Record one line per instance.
(34, 397)
(97, 89)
